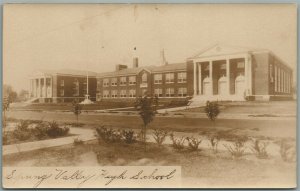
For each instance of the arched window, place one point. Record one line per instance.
(206, 86)
(222, 86)
(144, 78)
(240, 85)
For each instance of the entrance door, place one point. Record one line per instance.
(240, 85)
(222, 86)
(206, 86)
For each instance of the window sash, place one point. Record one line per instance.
(132, 80)
(170, 78)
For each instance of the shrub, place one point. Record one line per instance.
(193, 143)
(212, 110)
(237, 149)
(214, 141)
(108, 135)
(259, 149)
(177, 143)
(23, 125)
(78, 141)
(129, 136)
(53, 130)
(22, 132)
(287, 151)
(160, 136)
(40, 131)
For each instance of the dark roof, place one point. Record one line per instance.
(134, 71)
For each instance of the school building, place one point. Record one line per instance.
(223, 73)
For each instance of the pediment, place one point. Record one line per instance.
(218, 50)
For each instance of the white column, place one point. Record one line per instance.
(228, 75)
(195, 83)
(200, 78)
(45, 86)
(250, 74)
(51, 87)
(34, 87)
(40, 88)
(211, 77)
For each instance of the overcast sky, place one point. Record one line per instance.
(98, 37)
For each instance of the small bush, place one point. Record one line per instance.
(259, 149)
(22, 132)
(193, 143)
(214, 141)
(287, 151)
(78, 141)
(237, 149)
(177, 143)
(40, 131)
(160, 136)
(23, 125)
(108, 135)
(129, 136)
(53, 130)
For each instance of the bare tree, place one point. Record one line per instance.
(77, 107)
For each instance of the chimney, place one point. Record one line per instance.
(163, 58)
(120, 67)
(135, 62)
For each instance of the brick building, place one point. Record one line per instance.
(223, 73)
(59, 86)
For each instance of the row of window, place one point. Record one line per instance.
(170, 92)
(181, 78)
(282, 81)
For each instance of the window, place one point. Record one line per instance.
(275, 78)
(98, 97)
(157, 78)
(182, 77)
(62, 92)
(105, 82)
(182, 92)
(114, 93)
(170, 92)
(158, 92)
(170, 78)
(131, 93)
(144, 78)
(76, 88)
(105, 93)
(113, 82)
(62, 82)
(123, 93)
(132, 80)
(123, 81)
(98, 84)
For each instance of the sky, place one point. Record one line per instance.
(97, 37)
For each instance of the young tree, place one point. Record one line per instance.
(212, 110)
(147, 110)
(5, 107)
(77, 107)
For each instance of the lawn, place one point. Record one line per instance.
(199, 168)
(255, 108)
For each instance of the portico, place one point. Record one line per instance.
(41, 86)
(222, 76)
